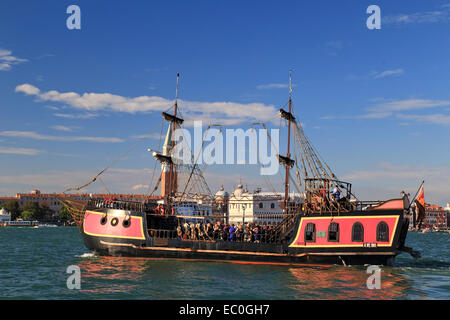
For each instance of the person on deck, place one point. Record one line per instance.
(232, 233)
(336, 194)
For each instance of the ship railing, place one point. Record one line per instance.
(163, 233)
(337, 208)
(120, 205)
(262, 236)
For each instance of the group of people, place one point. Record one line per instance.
(249, 232)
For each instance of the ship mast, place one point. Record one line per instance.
(172, 170)
(168, 167)
(287, 161)
(288, 154)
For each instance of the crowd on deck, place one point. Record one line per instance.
(249, 232)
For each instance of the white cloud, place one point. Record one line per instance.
(20, 151)
(28, 89)
(86, 115)
(227, 112)
(428, 118)
(389, 73)
(394, 108)
(37, 136)
(386, 179)
(62, 128)
(272, 86)
(140, 186)
(7, 60)
(155, 136)
(436, 16)
(409, 104)
(117, 180)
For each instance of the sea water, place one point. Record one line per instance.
(35, 261)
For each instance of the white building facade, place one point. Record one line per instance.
(263, 208)
(4, 216)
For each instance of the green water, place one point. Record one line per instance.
(34, 263)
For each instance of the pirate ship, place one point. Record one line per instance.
(329, 226)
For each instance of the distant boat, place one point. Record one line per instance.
(19, 223)
(47, 225)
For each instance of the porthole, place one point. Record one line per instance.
(104, 220)
(126, 223)
(114, 222)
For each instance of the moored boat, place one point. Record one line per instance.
(18, 223)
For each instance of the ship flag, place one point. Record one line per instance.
(420, 207)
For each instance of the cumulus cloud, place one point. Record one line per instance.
(224, 112)
(7, 60)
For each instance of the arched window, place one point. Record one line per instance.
(261, 205)
(310, 232)
(357, 232)
(382, 232)
(333, 232)
(272, 205)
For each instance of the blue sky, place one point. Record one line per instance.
(375, 103)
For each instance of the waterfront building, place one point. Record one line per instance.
(447, 210)
(435, 216)
(263, 208)
(4, 216)
(51, 199)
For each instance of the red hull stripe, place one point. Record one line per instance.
(93, 227)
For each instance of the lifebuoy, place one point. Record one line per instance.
(159, 210)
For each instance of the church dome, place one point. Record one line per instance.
(221, 193)
(238, 191)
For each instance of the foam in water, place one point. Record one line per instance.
(86, 255)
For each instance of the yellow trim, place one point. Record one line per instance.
(244, 252)
(343, 245)
(113, 236)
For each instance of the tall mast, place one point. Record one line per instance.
(288, 154)
(172, 171)
(286, 160)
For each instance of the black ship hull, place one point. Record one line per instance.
(115, 238)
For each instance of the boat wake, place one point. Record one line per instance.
(86, 255)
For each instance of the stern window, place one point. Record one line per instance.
(357, 232)
(382, 232)
(333, 232)
(310, 232)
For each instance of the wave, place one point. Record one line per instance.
(86, 255)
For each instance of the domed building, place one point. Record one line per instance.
(242, 206)
(4, 216)
(221, 196)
